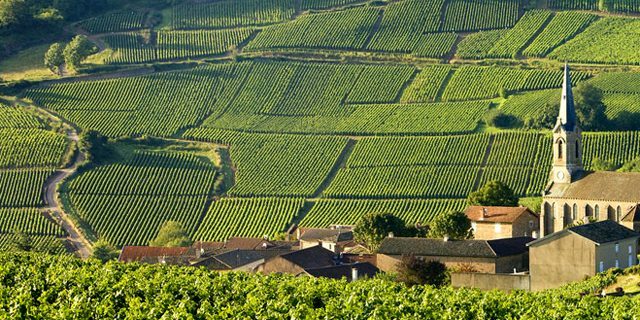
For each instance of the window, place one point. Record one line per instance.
(577, 150)
(630, 249)
(597, 212)
(617, 264)
(601, 266)
(530, 224)
(618, 214)
(560, 149)
(574, 214)
(617, 247)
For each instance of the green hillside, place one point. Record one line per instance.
(245, 117)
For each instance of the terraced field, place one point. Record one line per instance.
(253, 115)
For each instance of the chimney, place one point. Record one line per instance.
(484, 214)
(390, 235)
(354, 274)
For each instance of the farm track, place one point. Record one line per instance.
(53, 207)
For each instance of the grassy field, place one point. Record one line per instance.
(26, 65)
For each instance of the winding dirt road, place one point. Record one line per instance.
(54, 208)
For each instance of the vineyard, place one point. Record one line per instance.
(230, 13)
(327, 212)
(336, 30)
(250, 115)
(23, 148)
(255, 217)
(604, 41)
(125, 203)
(117, 21)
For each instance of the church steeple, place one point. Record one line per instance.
(567, 117)
(567, 137)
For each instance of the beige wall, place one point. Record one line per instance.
(388, 263)
(520, 228)
(558, 261)
(608, 255)
(491, 230)
(280, 265)
(488, 281)
(559, 218)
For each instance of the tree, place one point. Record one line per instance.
(605, 5)
(104, 251)
(413, 271)
(97, 147)
(545, 119)
(13, 12)
(374, 227)
(499, 119)
(598, 164)
(22, 241)
(78, 49)
(455, 225)
(171, 234)
(494, 193)
(589, 108)
(54, 59)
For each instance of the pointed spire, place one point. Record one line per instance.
(567, 115)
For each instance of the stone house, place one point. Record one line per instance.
(486, 256)
(336, 239)
(578, 252)
(490, 223)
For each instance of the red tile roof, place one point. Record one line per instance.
(496, 214)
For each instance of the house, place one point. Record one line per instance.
(238, 260)
(317, 261)
(490, 223)
(574, 195)
(258, 244)
(581, 251)
(487, 256)
(337, 239)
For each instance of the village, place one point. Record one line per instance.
(588, 223)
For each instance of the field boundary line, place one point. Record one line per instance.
(485, 159)
(341, 162)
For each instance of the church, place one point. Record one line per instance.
(574, 195)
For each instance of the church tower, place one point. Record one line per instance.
(567, 137)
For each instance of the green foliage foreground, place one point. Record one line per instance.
(34, 286)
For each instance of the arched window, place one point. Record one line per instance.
(577, 150)
(618, 213)
(574, 214)
(560, 149)
(597, 212)
(588, 211)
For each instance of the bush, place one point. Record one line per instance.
(413, 271)
(499, 119)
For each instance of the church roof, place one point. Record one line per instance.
(496, 214)
(567, 116)
(603, 185)
(633, 215)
